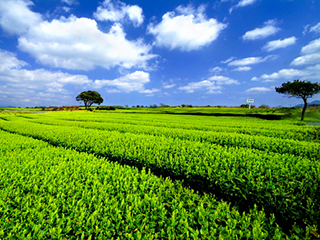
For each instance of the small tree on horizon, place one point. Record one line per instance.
(299, 89)
(90, 97)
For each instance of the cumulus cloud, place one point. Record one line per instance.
(8, 60)
(222, 80)
(276, 44)
(312, 47)
(128, 83)
(216, 69)
(306, 59)
(69, 2)
(212, 84)
(80, 45)
(315, 68)
(315, 28)
(310, 54)
(242, 69)
(150, 92)
(34, 85)
(283, 74)
(186, 29)
(16, 17)
(116, 11)
(209, 85)
(39, 85)
(259, 89)
(250, 61)
(261, 33)
(242, 3)
(11, 71)
(311, 72)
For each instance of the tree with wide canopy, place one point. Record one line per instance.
(299, 89)
(89, 97)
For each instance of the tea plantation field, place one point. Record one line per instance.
(109, 175)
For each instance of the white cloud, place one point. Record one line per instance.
(276, 44)
(81, 45)
(222, 80)
(128, 83)
(11, 72)
(259, 89)
(213, 91)
(16, 17)
(315, 68)
(8, 61)
(166, 86)
(315, 28)
(216, 69)
(212, 84)
(66, 9)
(312, 47)
(242, 69)
(260, 33)
(228, 60)
(306, 59)
(250, 61)
(246, 61)
(311, 72)
(314, 72)
(189, 10)
(150, 91)
(69, 2)
(209, 85)
(188, 30)
(310, 54)
(116, 11)
(269, 80)
(242, 3)
(37, 85)
(305, 29)
(285, 73)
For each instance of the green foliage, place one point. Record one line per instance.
(275, 114)
(49, 192)
(250, 163)
(90, 97)
(106, 108)
(186, 105)
(299, 89)
(264, 106)
(244, 106)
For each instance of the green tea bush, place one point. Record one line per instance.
(51, 192)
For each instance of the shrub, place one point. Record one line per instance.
(264, 106)
(106, 108)
(244, 105)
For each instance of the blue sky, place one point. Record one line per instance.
(138, 52)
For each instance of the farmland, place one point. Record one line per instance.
(116, 175)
